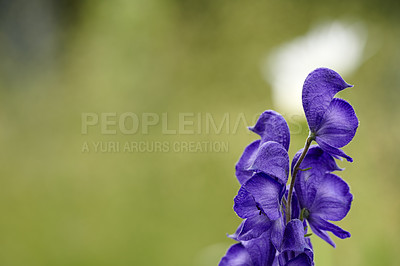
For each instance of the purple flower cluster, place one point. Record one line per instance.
(276, 216)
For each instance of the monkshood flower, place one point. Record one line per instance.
(263, 172)
(276, 216)
(322, 195)
(332, 121)
(270, 126)
(296, 249)
(255, 252)
(259, 203)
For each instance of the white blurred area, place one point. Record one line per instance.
(336, 45)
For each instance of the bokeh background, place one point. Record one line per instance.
(59, 59)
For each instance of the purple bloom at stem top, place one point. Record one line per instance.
(332, 121)
(277, 214)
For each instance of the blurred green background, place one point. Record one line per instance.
(59, 59)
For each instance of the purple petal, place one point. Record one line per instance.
(295, 209)
(261, 250)
(310, 251)
(336, 230)
(236, 255)
(301, 260)
(336, 152)
(320, 226)
(293, 237)
(318, 90)
(326, 197)
(244, 204)
(273, 160)
(317, 159)
(339, 124)
(332, 199)
(305, 188)
(254, 227)
(276, 233)
(238, 230)
(245, 161)
(295, 258)
(320, 162)
(267, 193)
(271, 126)
(322, 234)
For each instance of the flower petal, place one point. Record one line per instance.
(320, 226)
(261, 250)
(295, 207)
(317, 159)
(236, 255)
(319, 88)
(237, 232)
(336, 230)
(244, 204)
(335, 152)
(267, 193)
(322, 234)
(254, 227)
(326, 197)
(276, 233)
(273, 160)
(245, 161)
(301, 260)
(339, 124)
(271, 126)
(332, 199)
(293, 237)
(320, 163)
(305, 189)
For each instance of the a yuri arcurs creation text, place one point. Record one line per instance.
(278, 213)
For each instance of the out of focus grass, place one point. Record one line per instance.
(60, 206)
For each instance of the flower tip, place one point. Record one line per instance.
(349, 85)
(339, 168)
(232, 236)
(252, 168)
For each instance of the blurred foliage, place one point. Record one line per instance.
(63, 207)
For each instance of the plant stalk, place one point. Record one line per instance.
(293, 180)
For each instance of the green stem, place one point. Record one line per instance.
(294, 173)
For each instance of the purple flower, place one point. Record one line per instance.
(263, 172)
(272, 159)
(276, 217)
(332, 121)
(237, 255)
(322, 195)
(300, 260)
(318, 159)
(259, 203)
(296, 248)
(255, 252)
(271, 127)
